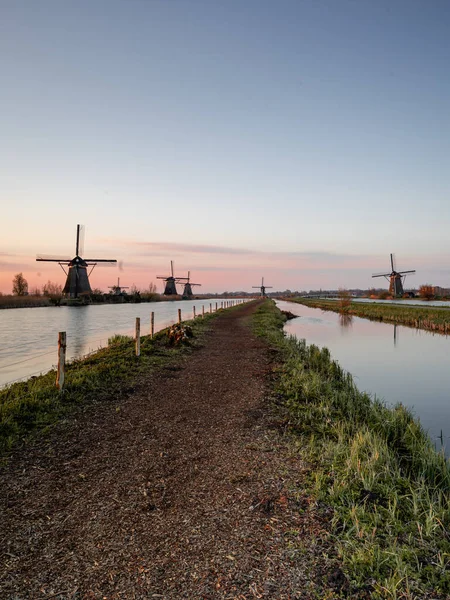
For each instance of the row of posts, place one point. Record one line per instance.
(62, 337)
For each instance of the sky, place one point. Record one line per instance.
(303, 141)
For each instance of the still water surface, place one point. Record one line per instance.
(391, 362)
(29, 336)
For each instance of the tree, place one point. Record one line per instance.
(52, 289)
(345, 300)
(426, 291)
(20, 285)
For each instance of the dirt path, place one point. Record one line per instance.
(183, 490)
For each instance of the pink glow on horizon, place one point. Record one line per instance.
(217, 268)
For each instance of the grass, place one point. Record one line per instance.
(32, 406)
(375, 466)
(10, 301)
(421, 317)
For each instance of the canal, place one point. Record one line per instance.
(392, 362)
(29, 336)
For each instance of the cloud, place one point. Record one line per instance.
(162, 248)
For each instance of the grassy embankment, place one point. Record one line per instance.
(109, 374)
(375, 466)
(421, 317)
(10, 301)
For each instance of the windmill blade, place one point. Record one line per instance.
(112, 261)
(171, 267)
(381, 274)
(189, 276)
(393, 262)
(262, 281)
(53, 258)
(80, 240)
(401, 272)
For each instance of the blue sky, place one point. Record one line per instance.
(307, 140)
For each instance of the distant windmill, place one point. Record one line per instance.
(187, 292)
(262, 287)
(117, 289)
(171, 280)
(77, 282)
(395, 279)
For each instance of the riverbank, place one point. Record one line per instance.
(35, 404)
(181, 487)
(420, 317)
(374, 467)
(235, 467)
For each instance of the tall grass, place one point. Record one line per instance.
(431, 319)
(10, 301)
(374, 465)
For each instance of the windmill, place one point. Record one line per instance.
(77, 282)
(262, 287)
(171, 289)
(116, 290)
(395, 279)
(187, 292)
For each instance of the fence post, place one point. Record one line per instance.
(61, 360)
(179, 315)
(138, 336)
(216, 306)
(203, 310)
(152, 324)
(210, 307)
(194, 311)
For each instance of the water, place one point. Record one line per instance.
(29, 336)
(391, 362)
(403, 301)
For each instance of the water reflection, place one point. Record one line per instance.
(345, 320)
(78, 340)
(415, 372)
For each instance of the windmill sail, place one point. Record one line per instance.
(77, 282)
(395, 278)
(170, 288)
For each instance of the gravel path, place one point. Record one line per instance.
(186, 489)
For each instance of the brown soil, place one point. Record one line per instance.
(186, 489)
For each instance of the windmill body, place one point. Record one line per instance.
(77, 281)
(395, 279)
(170, 288)
(187, 292)
(262, 288)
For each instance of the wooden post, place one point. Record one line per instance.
(61, 360)
(179, 315)
(203, 310)
(152, 325)
(210, 307)
(138, 336)
(216, 306)
(194, 311)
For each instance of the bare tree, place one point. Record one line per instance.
(20, 285)
(52, 289)
(426, 291)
